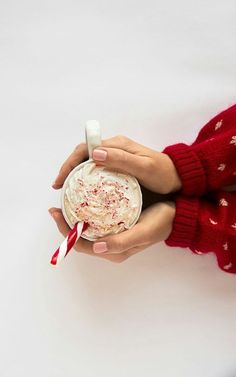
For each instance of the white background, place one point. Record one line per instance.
(155, 71)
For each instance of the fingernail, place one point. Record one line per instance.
(100, 247)
(99, 155)
(54, 183)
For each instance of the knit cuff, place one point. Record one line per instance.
(189, 168)
(185, 222)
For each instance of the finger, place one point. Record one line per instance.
(119, 243)
(77, 156)
(138, 166)
(64, 230)
(81, 153)
(152, 227)
(126, 144)
(81, 245)
(115, 258)
(56, 214)
(135, 250)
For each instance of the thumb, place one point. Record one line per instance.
(118, 243)
(119, 159)
(56, 214)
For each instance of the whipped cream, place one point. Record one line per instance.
(110, 202)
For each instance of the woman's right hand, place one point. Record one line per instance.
(154, 225)
(154, 170)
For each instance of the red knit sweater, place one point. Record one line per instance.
(205, 218)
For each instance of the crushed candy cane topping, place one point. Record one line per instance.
(108, 201)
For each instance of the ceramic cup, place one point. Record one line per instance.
(110, 201)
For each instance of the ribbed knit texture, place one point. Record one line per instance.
(208, 164)
(189, 168)
(205, 219)
(185, 222)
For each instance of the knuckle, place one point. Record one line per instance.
(123, 156)
(118, 245)
(115, 247)
(79, 147)
(122, 139)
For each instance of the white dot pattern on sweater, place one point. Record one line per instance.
(218, 125)
(198, 252)
(212, 221)
(221, 167)
(221, 173)
(228, 266)
(223, 202)
(225, 246)
(233, 140)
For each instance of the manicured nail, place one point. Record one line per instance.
(100, 247)
(99, 155)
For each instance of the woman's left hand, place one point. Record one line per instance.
(154, 225)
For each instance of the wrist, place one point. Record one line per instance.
(174, 181)
(169, 211)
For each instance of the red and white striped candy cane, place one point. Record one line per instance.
(68, 242)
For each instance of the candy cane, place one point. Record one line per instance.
(68, 242)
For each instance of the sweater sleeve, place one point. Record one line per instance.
(210, 162)
(207, 225)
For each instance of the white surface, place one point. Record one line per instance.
(155, 71)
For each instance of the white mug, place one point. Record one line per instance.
(93, 140)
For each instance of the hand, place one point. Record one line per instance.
(154, 170)
(154, 225)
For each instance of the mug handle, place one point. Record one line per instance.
(93, 136)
